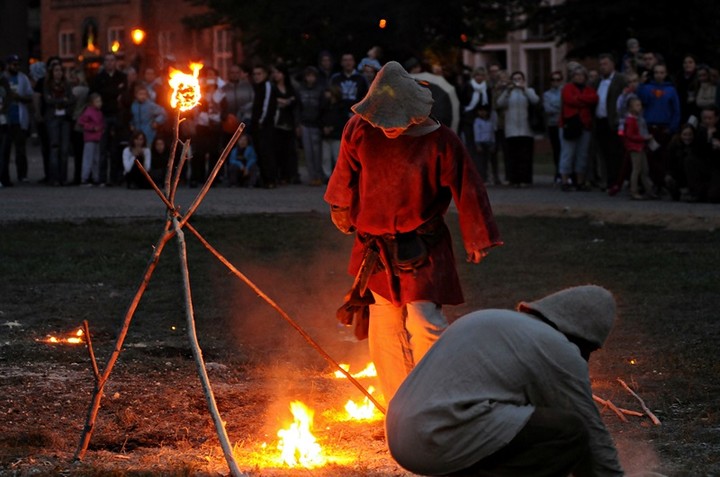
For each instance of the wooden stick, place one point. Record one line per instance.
(627, 412)
(652, 416)
(284, 315)
(262, 295)
(197, 353)
(100, 384)
(178, 172)
(171, 158)
(91, 352)
(208, 183)
(611, 406)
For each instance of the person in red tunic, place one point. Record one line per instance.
(397, 172)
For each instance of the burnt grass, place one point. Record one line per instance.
(154, 418)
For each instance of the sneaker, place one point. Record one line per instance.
(86, 184)
(612, 191)
(637, 197)
(567, 188)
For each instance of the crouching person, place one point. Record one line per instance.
(507, 393)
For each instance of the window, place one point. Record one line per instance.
(66, 44)
(165, 43)
(115, 36)
(222, 50)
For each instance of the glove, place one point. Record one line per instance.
(341, 218)
(477, 255)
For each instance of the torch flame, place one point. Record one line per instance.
(186, 88)
(368, 372)
(297, 444)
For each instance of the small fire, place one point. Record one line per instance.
(297, 444)
(365, 411)
(115, 47)
(368, 372)
(75, 338)
(186, 88)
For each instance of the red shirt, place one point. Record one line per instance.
(634, 141)
(578, 101)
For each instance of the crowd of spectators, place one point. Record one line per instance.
(667, 145)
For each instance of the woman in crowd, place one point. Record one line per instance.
(578, 104)
(285, 126)
(515, 100)
(60, 103)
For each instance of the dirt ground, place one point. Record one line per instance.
(154, 418)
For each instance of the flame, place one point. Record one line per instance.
(186, 88)
(368, 372)
(75, 338)
(297, 444)
(365, 411)
(115, 47)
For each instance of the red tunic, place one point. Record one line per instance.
(396, 185)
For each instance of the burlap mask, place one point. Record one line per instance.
(395, 99)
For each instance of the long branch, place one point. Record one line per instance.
(197, 353)
(208, 183)
(285, 316)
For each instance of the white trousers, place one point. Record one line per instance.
(400, 336)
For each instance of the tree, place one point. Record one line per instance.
(297, 32)
(670, 28)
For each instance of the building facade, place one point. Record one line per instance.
(142, 33)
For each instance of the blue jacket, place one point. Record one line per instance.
(143, 117)
(660, 104)
(243, 159)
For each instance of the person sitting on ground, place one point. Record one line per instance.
(137, 149)
(243, 167)
(508, 393)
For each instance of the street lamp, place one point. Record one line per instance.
(138, 36)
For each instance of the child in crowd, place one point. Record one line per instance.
(484, 133)
(630, 91)
(93, 125)
(243, 170)
(137, 149)
(636, 139)
(146, 116)
(160, 155)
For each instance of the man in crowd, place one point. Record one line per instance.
(111, 84)
(18, 120)
(507, 393)
(397, 172)
(609, 151)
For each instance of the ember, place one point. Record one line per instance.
(75, 338)
(297, 443)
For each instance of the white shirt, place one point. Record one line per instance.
(602, 91)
